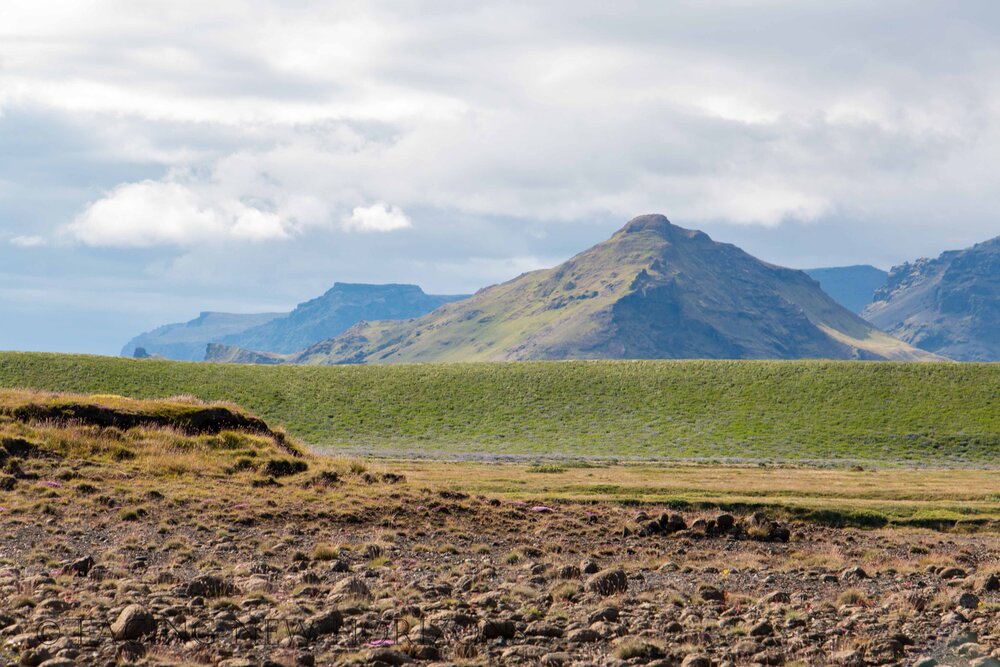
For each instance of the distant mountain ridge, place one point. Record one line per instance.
(949, 305)
(342, 306)
(853, 287)
(651, 291)
(185, 341)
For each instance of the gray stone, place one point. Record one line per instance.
(608, 582)
(133, 623)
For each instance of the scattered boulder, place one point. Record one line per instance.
(323, 624)
(134, 622)
(569, 572)
(777, 597)
(967, 600)
(604, 614)
(209, 586)
(710, 593)
(671, 523)
(80, 567)
(608, 582)
(583, 636)
(848, 658)
(351, 587)
(984, 661)
(497, 629)
(989, 584)
(724, 523)
(387, 656)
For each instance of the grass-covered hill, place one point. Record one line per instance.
(937, 413)
(102, 437)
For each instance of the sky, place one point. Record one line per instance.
(158, 159)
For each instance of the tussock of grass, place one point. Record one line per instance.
(631, 649)
(326, 552)
(853, 597)
(150, 437)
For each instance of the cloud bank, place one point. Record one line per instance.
(468, 137)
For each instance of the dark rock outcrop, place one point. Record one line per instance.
(949, 305)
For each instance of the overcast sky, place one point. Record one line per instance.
(163, 158)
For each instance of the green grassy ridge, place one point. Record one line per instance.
(929, 413)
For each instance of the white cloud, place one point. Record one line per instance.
(503, 130)
(376, 218)
(28, 241)
(153, 213)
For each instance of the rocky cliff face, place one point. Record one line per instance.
(949, 305)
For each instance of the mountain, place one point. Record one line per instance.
(186, 341)
(949, 305)
(343, 306)
(850, 286)
(652, 291)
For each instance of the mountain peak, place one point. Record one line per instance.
(660, 225)
(652, 291)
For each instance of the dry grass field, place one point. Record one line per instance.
(968, 499)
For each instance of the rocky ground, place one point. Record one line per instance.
(302, 561)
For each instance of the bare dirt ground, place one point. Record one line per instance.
(370, 572)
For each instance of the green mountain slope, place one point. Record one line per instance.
(949, 305)
(850, 286)
(651, 291)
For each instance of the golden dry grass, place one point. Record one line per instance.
(914, 496)
(165, 455)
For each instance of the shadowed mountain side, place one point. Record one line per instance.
(949, 305)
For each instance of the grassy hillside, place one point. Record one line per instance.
(651, 291)
(808, 410)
